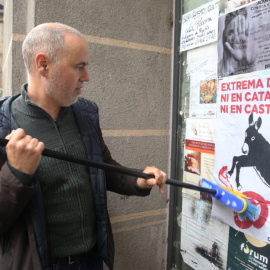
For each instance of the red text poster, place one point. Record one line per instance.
(242, 148)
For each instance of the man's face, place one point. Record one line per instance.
(66, 78)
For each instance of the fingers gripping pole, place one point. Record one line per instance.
(105, 166)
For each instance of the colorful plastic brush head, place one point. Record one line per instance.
(234, 200)
(224, 196)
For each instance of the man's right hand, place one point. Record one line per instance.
(23, 151)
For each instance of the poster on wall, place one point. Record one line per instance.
(247, 253)
(203, 89)
(204, 240)
(199, 151)
(242, 160)
(199, 26)
(232, 4)
(244, 40)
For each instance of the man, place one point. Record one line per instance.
(240, 50)
(53, 214)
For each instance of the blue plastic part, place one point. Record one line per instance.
(253, 212)
(226, 197)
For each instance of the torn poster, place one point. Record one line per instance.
(204, 240)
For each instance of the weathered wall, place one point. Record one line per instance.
(129, 67)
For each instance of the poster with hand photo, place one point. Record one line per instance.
(244, 40)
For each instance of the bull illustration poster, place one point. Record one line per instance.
(243, 148)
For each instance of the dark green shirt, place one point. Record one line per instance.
(65, 186)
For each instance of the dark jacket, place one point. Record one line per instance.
(23, 239)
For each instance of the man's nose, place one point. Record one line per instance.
(85, 76)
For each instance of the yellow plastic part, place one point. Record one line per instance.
(244, 208)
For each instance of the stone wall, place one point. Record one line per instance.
(130, 80)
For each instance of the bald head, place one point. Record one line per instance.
(48, 38)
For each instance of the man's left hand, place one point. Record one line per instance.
(159, 180)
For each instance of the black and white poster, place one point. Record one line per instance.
(244, 40)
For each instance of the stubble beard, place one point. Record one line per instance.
(56, 91)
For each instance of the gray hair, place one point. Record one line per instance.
(46, 38)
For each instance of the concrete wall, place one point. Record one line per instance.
(130, 71)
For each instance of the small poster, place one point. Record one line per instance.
(199, 151)
(244, 40)
(203, 89)
(199, 26)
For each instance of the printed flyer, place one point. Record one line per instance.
(199, 26)
(244, 40)
(203, 89)
(199, 151)
(242, 150)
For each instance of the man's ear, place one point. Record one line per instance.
(42, 63)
